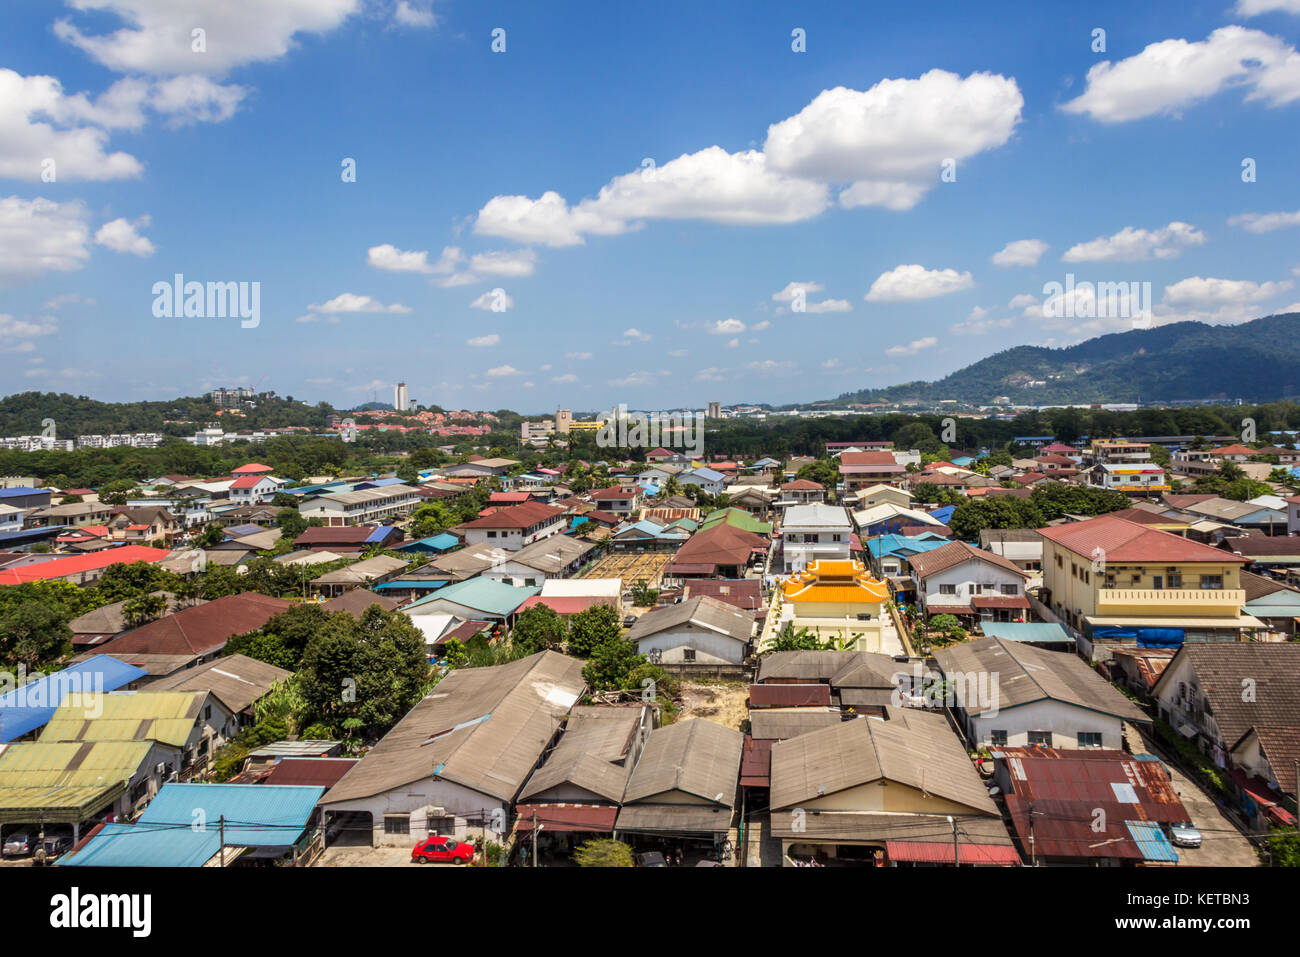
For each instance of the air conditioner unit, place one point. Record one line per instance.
(161, 768)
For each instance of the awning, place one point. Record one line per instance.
(674, 819)
(1143, 621)
(1000, 601)
(949, 610)
(936, 852)
(568, 818)
(1151, 841)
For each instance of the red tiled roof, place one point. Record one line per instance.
(313, 772)
(612, 493)
(941, 852)
(722, 544)
(566, 604)
(953, 554)
(868, 458)
(1124, 541)
(745, 593)
(517, 516)
(999, 601)
(508, 498)
(1237, 449)
(252, 468)
(247, 481)
(802, 485)
(77, 564)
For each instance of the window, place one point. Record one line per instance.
(397, 824)
(491, 534)
(1158, 582)
(947, 589)
(688, 654)
(1211, 581)
(1040, 738)
(207, 712)
(1010, 589)
(1175, 580)
(1090, 739)
(997, 738)
(1059, 563)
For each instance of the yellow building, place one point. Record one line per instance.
(1109, 578)
(836, 599)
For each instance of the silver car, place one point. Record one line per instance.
(1184, 834)
(17, 845)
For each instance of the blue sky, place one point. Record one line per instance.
(523, 179)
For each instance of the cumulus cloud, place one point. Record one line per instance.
(796, 295)
(1265, 222)
(123, 236)
(913, 347)
(1134, 245)
(494, 300)
(414, 14)
(912, 282)
(725, 327)
(392, 259)
(1199, 291)
(890, 141)
(885, 145)
(156, 36)
(1021, 252)
(564, 379)
(1171, 75)
(500, 372)
(351, 302)
(39, 236)
(480, 342)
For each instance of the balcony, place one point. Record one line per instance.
(1165, 599)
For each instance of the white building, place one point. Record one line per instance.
(700, 630)
(515, 526)
(366, 505)
(812, 533)
(401, 399)
(959, 579)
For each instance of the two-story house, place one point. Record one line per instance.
(515, 526)
(959, 579)
(1111, 579)
(811, 533)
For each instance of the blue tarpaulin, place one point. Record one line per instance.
(1145, 637)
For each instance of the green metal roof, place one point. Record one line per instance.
(1039, 631)
(482, 594)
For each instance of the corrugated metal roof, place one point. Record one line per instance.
(166, 716)
(695, 757)
(27, 708)
(1031, 631)
(567, 817)
(247, 815)
(1151, 841)
(789, 696)
(60, 775)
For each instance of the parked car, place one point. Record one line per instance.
(651, 859)
(18, 844)
(1184, 834)
(442, 849)
(629, 621)
(51, 849)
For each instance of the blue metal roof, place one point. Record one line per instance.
(183, 824)
(1151, 841)
(27, 708)
(903, 544)
(1042, 631)
(442, 542)
(239, 531)
(399, 584)
(379, 534)
(19, 490)
(944, 513)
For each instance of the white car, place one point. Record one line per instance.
(1184, 834)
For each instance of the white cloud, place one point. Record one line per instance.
(66, 299)
(514, 262)
(1022, 300)
(480, 342)
(711, 374)
(634, 379)
(1021, 252)
(494, 300)
(1203, 292)
(890, 141)
(564, 379)
(11, 328)
(1135, 245)
(793, 289)
(414, 14)
(1265, 222)
(887, 143)
(760, 326)
(679, 353)
(829, 305)
(195, 99)
(155, 36)
(912, 282)
(499, 372)
(913, 347)
(577, 355)
(1253, 8)
(637, 334)
(392, 259)
(123, 236)
(800, 290)
(40, 235)
(725, 327)
(351, 302)
(770, 365)
(1171, 75)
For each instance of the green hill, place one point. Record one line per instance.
(1258, 361)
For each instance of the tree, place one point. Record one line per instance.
(430, 519)
(919, 436)
(790, 638)
(823, 471)
(537, 629)
(33, 634)
(143, 608)
(590, 628)
(291, 522)
(213, 534)
(1002, 511)
(603, 852)
(611, 663)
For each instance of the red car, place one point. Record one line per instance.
(442, 849)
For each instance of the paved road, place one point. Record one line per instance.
(1222, 845)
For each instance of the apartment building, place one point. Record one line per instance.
(514, 527)
(362, 507)
(1118, 477)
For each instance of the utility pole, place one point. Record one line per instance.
(536, 841)
(956, 853)
(221, 849)
(1032, 861)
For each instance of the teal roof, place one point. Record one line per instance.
(482, 594)
(250, 815)
(1026, 631)
(904, 544)
(1151, 841)
(437, 543)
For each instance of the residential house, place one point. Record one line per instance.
(367, 573)
(515, 526)
(695, 631)
(460, 757)
(710, 480)
(959, 579)
(720, 551)
(799, 492)
(346, 539)
(26, 710)
(237, 681)
(619, 499)
(837, 599)
(79, 569)
(811, 533)
(476, 599)
(362, 507)
(1010, 693)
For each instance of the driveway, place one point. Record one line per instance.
(371, 857)
(1222, 845)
